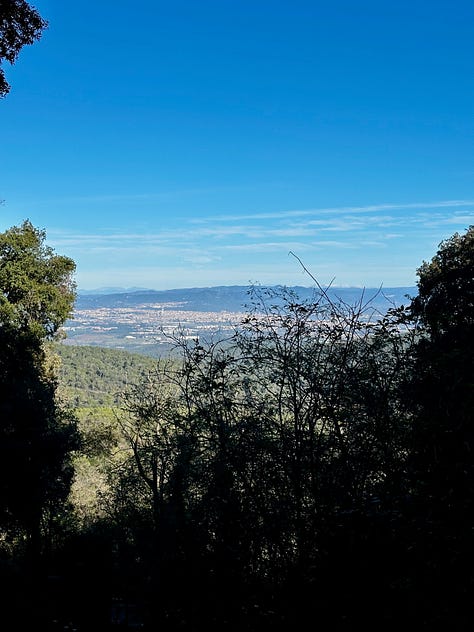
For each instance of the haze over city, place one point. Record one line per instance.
(186, 144)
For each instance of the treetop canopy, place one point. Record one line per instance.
(20, 24)
(37, 290)
(445, 300)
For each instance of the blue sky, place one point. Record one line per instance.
(184, 143)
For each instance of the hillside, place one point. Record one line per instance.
(95, 376)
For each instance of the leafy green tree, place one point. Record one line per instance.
(20, 24)
(37, 435)
(36, 287)
(445, 301)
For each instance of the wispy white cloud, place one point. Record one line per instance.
(201, 259)
(266, 246)
(300, 224)
(373, 208)
(332, 243)
(355, 244)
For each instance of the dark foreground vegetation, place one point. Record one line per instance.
(314, 471)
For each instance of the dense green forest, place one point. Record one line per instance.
(314, 466)
(96, 376)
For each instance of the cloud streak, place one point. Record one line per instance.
(348, 242)
(374, 208)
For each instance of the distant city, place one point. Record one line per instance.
(146, 321)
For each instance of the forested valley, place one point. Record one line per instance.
(313, 469)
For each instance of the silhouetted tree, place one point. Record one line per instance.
(442, 463)
(20, 24)
(36, 434)
(259, 450)
(444, 315)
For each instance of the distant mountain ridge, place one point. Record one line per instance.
(233, 298)
(111, 290)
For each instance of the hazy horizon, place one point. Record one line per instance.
(123, 289)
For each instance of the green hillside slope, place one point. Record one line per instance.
(95, 376)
